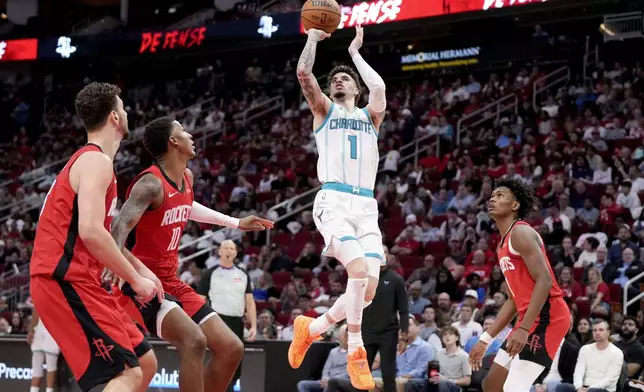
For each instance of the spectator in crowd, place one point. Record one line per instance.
(287, 332)
(455, 371)
(335, 367)
(424, 275)
(417, 303)
(308, 259)
(599, 364)
(597, 293)
(454, 226)
(583, 333)
(623, 241)
(412, 362)
(631, 346)
(446, 311)
(467, 328)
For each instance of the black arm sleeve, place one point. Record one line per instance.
(204, 284)
(249, 284)
(402, 303)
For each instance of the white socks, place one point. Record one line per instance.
(35, 389)
(50, 390)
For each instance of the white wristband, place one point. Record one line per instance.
(486, 338)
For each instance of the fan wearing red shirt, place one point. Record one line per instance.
(544, 317)
(159, 204)
(478, 267)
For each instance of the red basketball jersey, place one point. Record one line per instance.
(516, 273)
(159, 230)
(59, 252)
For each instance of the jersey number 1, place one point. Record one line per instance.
(176, 236)
(353, 146)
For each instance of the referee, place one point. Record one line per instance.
(229, 291)
(380, 322)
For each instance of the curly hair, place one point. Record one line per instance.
(156, 135)
(94, 103)
(522, 192)
(347, 70)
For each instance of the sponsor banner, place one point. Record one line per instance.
(387, 11)
(18, 49)
(441, 59)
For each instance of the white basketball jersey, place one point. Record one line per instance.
(347, 148)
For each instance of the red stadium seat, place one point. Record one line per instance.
(583, 307)
(616, 292)
(280, 279)
(578, 273)
(283, 318)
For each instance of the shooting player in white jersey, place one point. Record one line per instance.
(345, 211)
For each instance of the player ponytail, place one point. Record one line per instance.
(522, 192)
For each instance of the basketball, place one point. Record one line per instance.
(321, 14)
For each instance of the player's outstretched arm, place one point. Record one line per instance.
(318, 102)
(93, 173)
(203, 214)
(376, 85)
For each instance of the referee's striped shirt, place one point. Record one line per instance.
(226, 289)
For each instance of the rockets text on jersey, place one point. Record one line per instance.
(159, 231)
(59, 252)
(347, 144)
(517, 276)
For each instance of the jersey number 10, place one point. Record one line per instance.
(174, 241)
(353, 146)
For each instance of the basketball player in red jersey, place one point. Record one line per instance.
(98, 339)
(159, 204)
(544, 317)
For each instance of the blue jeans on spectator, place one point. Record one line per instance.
(309, 386)
(423, 385)
(571, 388)
(550, 387)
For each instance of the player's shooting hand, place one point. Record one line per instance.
(356, 44)
(476, 355)
(517, 341)
(254, 223)
(145, 289)
(317, 35)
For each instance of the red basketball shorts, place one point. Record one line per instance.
(96, 337)
(547, 333)
(176, 291)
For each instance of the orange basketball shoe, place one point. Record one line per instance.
(358, 369)
(302, 340)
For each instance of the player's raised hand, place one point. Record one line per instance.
(317, 35)
(254, 223)
(476, 355)
(356, 44)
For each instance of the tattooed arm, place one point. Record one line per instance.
(147, 192)
(318, 101)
